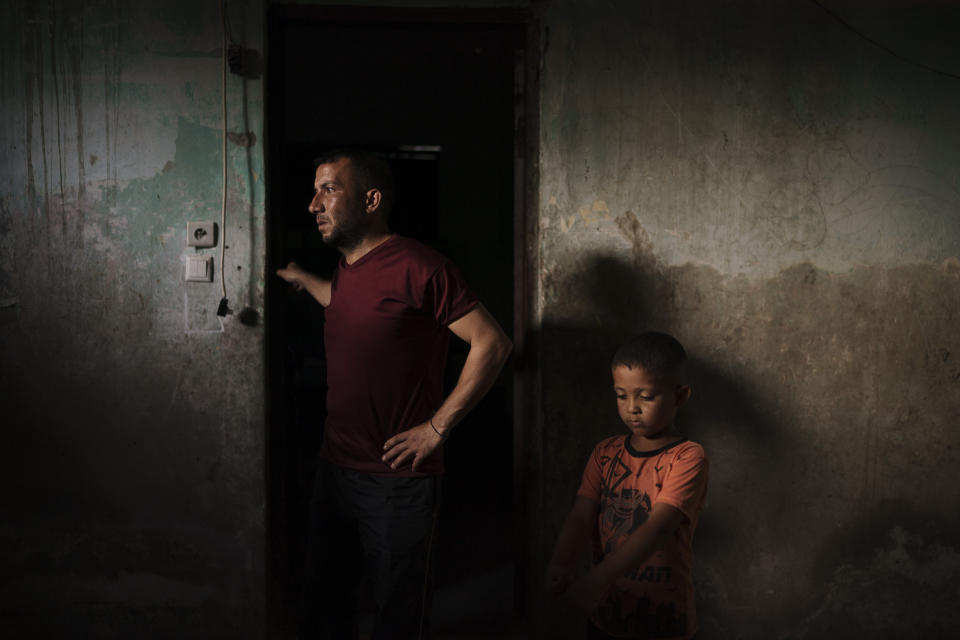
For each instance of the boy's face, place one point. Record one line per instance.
(648, 405)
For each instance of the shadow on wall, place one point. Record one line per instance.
(791, 392)
(611, 300)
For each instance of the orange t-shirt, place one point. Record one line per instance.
(656, 599)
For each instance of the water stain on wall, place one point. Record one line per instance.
(134, 459)
(808, 445)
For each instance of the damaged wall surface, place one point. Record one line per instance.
(133, 459)
(754, 177)
(781, 194)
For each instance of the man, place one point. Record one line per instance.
(390, 308)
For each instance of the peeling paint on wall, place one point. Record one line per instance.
(789, 212)
(134, 461)
(709, 148)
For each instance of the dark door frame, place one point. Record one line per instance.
(526, 441)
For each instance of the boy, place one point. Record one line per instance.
(638, 502)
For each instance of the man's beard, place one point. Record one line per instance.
(348, 234)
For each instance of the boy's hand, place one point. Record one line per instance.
(586, 593)
(557, 580)
(566, 618)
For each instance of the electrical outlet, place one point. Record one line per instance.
(202, 234)
(199, 269)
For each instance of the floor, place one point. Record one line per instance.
(479, 607)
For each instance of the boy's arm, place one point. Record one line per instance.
(574, 536)
(638, 547)
(300, 279)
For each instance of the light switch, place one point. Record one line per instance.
(199, 269)
(202, 234)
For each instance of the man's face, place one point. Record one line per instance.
(646, 404)
(338, 205)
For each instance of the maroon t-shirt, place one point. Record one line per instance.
(386, 338)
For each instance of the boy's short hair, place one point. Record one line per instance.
(372, 170)
(660, 354)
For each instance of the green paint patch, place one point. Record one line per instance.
(188, 188)
(133, 92)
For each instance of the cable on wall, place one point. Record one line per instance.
(884, 47)
(223, 308)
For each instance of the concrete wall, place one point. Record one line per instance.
(783, 196)
(753, 177)
(132, 464)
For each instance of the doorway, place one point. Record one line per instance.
(437, 93)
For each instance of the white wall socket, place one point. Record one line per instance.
(199, 269)
(202, 234)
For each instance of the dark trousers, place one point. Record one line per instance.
(379, 528)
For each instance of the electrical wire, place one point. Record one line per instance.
(884, 47)
(226, 26)
(223, 95)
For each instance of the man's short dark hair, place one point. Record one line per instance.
(373, 170)
(660, 354)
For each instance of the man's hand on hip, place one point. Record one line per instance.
(416, 444)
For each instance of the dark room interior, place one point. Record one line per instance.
(438, 99)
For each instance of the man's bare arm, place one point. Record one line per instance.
(489, 349)
(300, 279)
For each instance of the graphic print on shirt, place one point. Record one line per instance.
(624, 509)
(654, 599)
